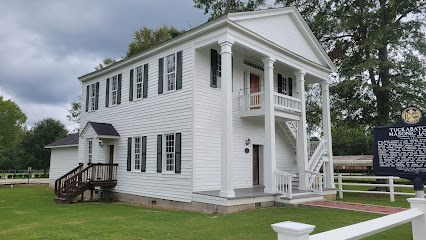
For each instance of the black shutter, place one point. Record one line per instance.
(107, 93)
(119, 89)
(280, 83)
(97, 96)
(129, 154)
(290, 87)
(131, 86)
(178, 154)
(213, 68)
(87, 98)
(143, 167)
(159, 153)
(145, 80)
(179, 71)
(160, 75)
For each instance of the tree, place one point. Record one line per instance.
(105, 63)
(11, 121)
(379, 49)
(75, 111)
(146, 38)
(221, 7)
(42, 133)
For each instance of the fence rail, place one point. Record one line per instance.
(390, 184)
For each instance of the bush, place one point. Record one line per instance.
(36, 175)
(25, 175)
(9, 176)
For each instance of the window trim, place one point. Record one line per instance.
(111, 100)
(164, 157)
(92, 98)
(166, 74)
(135, 82)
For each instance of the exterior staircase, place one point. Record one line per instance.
(78, 180)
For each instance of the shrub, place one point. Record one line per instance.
(25, 175)
(9, 176)
(36, 175)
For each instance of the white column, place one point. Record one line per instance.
(326, 122)
(269, 149)
(227, 189)
(302, 136)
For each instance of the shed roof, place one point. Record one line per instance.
(69, 141)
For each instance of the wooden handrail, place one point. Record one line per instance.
(58, 181)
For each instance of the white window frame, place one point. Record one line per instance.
(137, 154)
(90, 150)
(139, 78)
(92, 97)
(169, 167)
(113, 99)
(167, 74)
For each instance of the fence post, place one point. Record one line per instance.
(339, 182)
(293, 230)
(391, 189)
(419, 223)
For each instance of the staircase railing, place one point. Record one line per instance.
(94, 173)
(316, 155)
(60, 182)
(315, 181)
(284, 183)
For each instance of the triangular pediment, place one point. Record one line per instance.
(101, 130)
(286, 28)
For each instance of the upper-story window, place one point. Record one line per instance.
(139, 82)
(170, 73)
(215, 69)
(113, 90)
(92, 97)
(285, 85)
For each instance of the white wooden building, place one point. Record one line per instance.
(214, 118)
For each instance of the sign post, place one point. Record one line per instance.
(29, 174)
(400, 149)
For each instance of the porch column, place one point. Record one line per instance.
(302, 137)
(227, 189)
(326, 122)
(269, 149)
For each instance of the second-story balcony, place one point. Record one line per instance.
(253, 105)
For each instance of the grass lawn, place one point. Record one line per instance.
(28, 212)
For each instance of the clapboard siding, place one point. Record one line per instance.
(207, 137)
(170, 112)
(62, 160)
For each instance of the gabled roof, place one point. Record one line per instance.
(70, 141)
(230, 19)
(101, 129)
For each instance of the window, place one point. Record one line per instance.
(92, 94)
(170, 152)
(171, 72)
(215, 69)
(285, 85)
(114, 90)
(137, 153)
(90, 151)
(139, 82)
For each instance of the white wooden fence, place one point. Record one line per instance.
(416, 215)
(390, 184)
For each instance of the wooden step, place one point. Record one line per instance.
(60, 200)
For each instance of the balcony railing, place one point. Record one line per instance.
(256, 101)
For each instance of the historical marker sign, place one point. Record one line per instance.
(400, 149)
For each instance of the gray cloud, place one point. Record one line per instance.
(46, 45)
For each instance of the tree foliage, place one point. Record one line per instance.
(379, 49)
(11, 122)
(145, 38)
(75, 111)
(217, 8)
(42, 133)
(105, 63)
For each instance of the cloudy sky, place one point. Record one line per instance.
(46, 45)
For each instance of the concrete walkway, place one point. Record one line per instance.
(355, 207)
(23, 181)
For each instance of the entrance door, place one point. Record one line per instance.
(111, 161)
(256, 171)
(254, 88)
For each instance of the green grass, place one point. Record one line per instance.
(28, 212)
